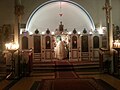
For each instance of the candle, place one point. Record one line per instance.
(116, 44)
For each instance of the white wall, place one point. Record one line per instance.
(94, 7)
(48, 17)
(116, 12)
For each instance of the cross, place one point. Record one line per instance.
(107, 8)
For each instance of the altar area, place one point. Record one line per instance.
(77, 45)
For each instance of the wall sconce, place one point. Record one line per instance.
(12, 46)
(53, 33)
(90, 33)
(78, 32)
(69, 33)
(43, 33)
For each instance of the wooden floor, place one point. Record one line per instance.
(26, 82)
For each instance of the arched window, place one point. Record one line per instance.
(24, 42)
(84, 43)
(48, 42)
(95, 42)
(74, 42)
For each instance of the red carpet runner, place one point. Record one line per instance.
(70, 84)
(68, 80)
(65, 70)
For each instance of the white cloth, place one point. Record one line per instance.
(60, 51)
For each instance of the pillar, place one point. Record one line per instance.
(108, 11)
(18, 14)
(18, 11)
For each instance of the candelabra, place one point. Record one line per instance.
(116, 44)
(12, 48)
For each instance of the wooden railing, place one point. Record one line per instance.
(26, 59)
(104, 61)
(116, 61)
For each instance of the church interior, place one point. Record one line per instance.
(59, 44)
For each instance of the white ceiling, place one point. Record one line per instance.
(47, 16)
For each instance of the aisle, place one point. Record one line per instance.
(64, 69)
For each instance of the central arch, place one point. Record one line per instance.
(47, 16)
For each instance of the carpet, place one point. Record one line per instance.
(67, 74)
(63, 66)
(64, 69)
(62, 62)
(72, 84)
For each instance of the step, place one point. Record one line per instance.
(36, 54)
(42, 70)
(43, 64)
(88, 73)
(3, 68)
(82, 63)
(78, 67)
(87, 70)
(2, 73)
(43, 74)
(85, 66)
(37, 59)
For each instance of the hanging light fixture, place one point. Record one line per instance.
(60, 13)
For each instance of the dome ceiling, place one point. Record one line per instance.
(47, 15)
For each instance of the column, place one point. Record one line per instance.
(18, 14)
(108, 12)
(18, 11)
(107, 9)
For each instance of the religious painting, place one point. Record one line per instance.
(74, 42)
(95, 42)
(37, 44)
(58, 38)
(24, 42)
(7, 31)
(48, 42)
(84, 43)
(104, 42)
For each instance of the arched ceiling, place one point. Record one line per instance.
(47, 16)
